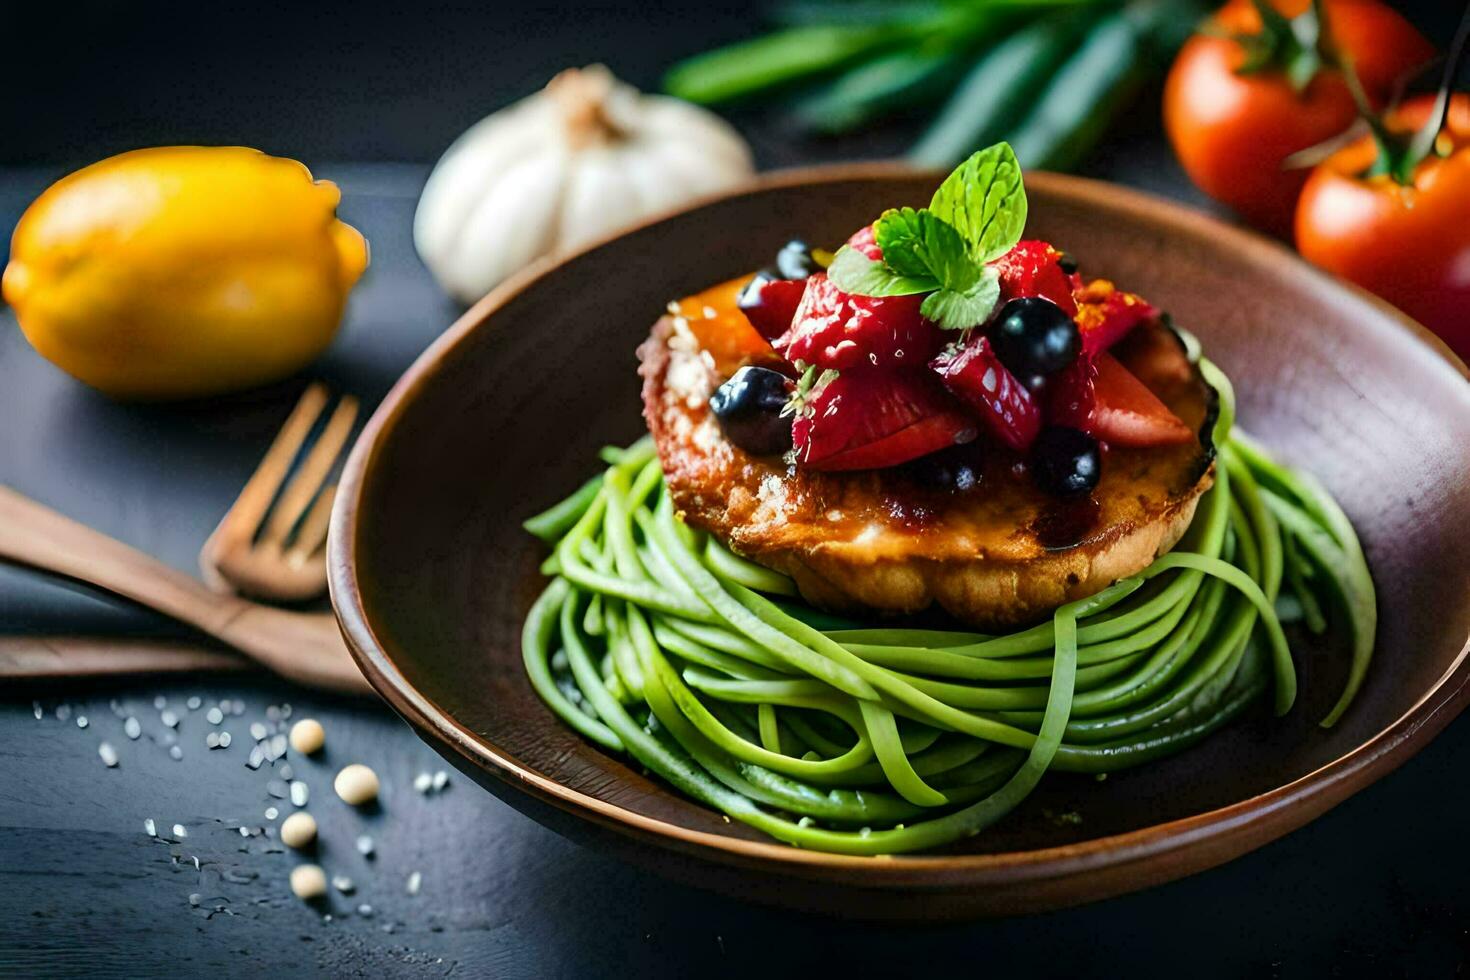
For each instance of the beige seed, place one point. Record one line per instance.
(356, 784)
(308, 881)
(298, 830)
(308, 736)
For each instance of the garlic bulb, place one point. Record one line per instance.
(585, 156)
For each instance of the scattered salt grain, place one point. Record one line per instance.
(160, 702)
(365, 846)
(181, 833)
(422, 782)
(343, 884)
(212, 740)
(169, 718)
(214, 716)
(36, 710)
(82, 721)
(299, 793)
(277, 789)
(365, 910)
(108, 754)
(132, 728)
(258, 730)
(286, 772)
(415, 882)
(63, 712)
(194, 703)
(441, 779)
(224, 740)
(150, 828)
(271, 813)
(195, 899)
(175, 753)
(257, 758)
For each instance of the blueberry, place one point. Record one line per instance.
(795, 260)
(956, 470)
(1034, 336)
(748, 408)
(1065, 461)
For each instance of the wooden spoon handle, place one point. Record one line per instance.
(37, 537)
(48, 657)
(304, 647)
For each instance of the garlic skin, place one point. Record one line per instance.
(582, 158)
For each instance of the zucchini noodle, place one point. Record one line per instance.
(657, 641)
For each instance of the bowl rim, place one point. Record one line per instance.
(1239, 826)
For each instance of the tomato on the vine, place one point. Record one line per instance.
(1408, 242)
(1245, 95)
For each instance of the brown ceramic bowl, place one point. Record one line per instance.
(431, 574)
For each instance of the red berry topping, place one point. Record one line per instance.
(770, 304)
(1033, 268)
(1128, 414)
(837, 330)
(1105, 314)
(977, 377)
(1071, 396)
(864, 420)
(864, 240)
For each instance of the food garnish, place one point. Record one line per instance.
(724, 612)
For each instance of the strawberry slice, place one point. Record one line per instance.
(1105, 314)
(977, 377)
(1032, 268)
(1072, 396)
(865, 420)
(838, 330)
(770, 304)
(1128, 414)
(865, 240)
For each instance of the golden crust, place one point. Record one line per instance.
(999, 555)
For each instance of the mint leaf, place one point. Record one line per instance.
(919, 244)
(985, 201)
(853, 272)
(955, 309)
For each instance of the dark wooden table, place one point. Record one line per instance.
(1375, 888)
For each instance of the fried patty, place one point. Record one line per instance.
(998, 555)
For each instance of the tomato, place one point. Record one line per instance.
(1409, 244)
(1232, 132)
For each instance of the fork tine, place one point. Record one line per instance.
(313, 471)
(250, 508)
(313, 529)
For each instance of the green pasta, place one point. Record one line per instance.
(885, 740)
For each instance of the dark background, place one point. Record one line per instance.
(349, 81)
(368, 95)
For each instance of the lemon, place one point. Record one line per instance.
(183, 271)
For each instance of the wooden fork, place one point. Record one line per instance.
(269, 546)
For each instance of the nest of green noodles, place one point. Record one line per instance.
(656, 641)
